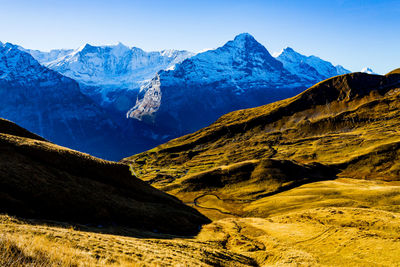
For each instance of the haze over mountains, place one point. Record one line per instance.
(139, 99)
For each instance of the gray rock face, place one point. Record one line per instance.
(103, 112)
(240, 74)
(51, 105)
(110, 75)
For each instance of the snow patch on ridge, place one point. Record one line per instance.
(368, 70)
(311, 68)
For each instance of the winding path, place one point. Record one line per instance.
(195, 201)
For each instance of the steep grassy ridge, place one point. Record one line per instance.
(42, 180)
(346, 126)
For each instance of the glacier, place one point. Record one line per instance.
(53, 106)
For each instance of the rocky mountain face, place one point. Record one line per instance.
(310, 68)
(110, 75)
(52, 105)
(104, 106)
(240, 74)
(45, 58)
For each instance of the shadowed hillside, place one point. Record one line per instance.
(346, 126)
(43, 180)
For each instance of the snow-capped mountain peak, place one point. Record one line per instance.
(242, 39)
(17, 65)
(111, 74)
(289, 54)
(310, 68)
(117, 66)
(120, 50)
(246, 43)
(242, 60)
(368, 70)
(241, 73)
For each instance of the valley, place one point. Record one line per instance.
(232, 156)
(311, 180)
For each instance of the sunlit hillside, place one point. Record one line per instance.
(308, 181)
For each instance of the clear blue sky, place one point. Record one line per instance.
(352, 33)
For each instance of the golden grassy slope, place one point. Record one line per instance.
(347, 125)
(41, 180)
(26, 242)
(268, 178)
(344, 222)
(315, 237)
(276, 179)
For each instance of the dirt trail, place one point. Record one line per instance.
(195, 202)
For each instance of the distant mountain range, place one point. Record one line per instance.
(110, 75)
(50, 104)
(114, 100)
(312, 68)
(241, 74)
(53, 106)
(115, 65)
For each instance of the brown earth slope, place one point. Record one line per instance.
(346, 126)
(41, 180)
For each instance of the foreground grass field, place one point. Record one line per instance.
(330, 223)
(32, 244)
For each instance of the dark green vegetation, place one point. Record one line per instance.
(41, 180)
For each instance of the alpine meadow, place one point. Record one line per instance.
(246, 133)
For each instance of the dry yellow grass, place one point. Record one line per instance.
(313, 237)
(346, 126)
(42, 245)
(351, 193)
(268, 178)
(338, 122)
(335, 200)
(344, 222)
